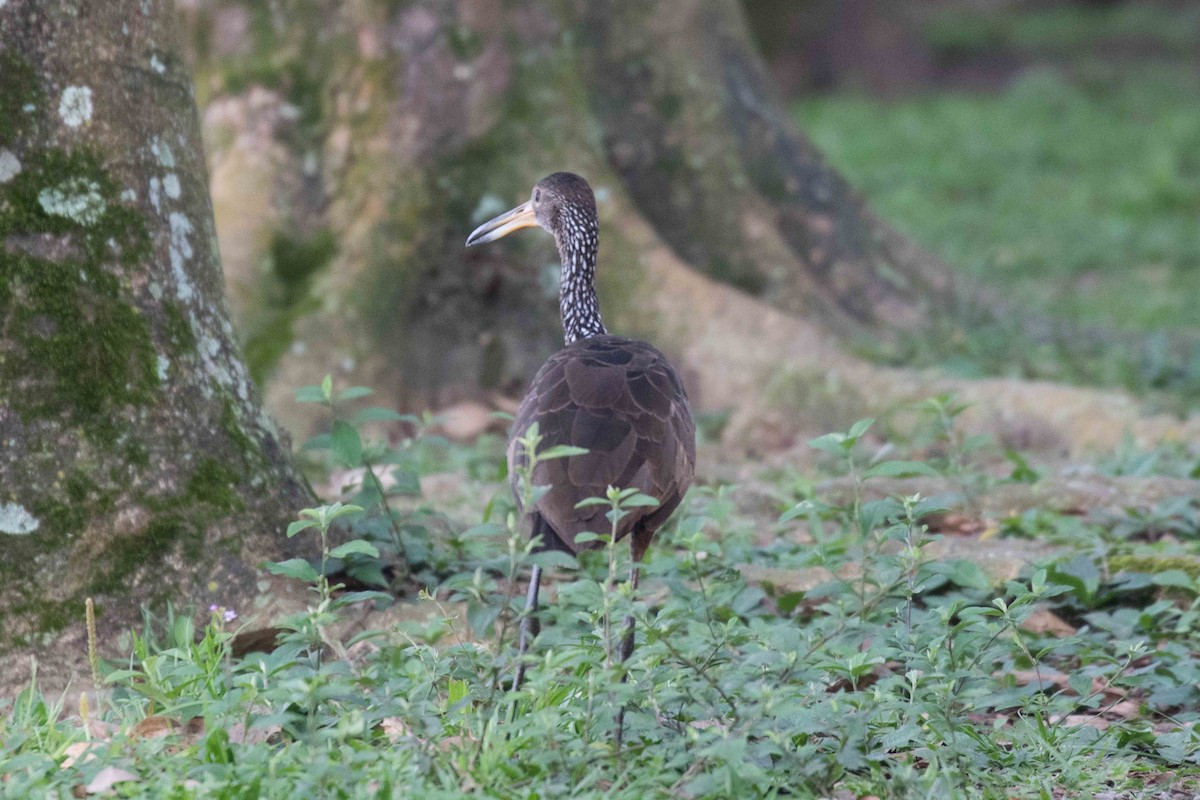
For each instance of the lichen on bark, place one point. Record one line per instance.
(137, 464)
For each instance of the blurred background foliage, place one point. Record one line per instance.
(1045, 149)
(1051, 148)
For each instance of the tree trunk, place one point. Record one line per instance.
(355, 144)
(350, 158)
(137, 464)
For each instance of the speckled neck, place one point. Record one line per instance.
(578, 244)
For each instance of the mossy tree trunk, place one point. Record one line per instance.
(137, 464)
(354, 145)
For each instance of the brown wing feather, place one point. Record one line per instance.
(624, 402)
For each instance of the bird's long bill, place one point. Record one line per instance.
(506, 223)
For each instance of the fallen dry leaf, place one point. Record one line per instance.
(1045, 621)
(360, 653)
(99, 729)
(78, 752)
(395, 729)
(240, 734)
(450, 742)
(1084, 720)
(154, 728)
(465, 421)
(1126, 709)
(108, 777)
(954, 523)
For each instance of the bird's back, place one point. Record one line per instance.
(621, 400)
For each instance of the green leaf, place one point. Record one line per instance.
(1173, 747)
(480, 617)
(968, 574)
(789, 602)
(615, 515)
(900, 737)
(300, 525)
(486, 530)
(639, 501)
(338, 510)
(346, 444)
(363, 596)
(1082, 684)
(1037, 583)
(561, 451)
(931, 505)
(834, 443)
(355, 547)
(216, 747)
(296, 568)
(875, 513)
(310, 394)
(801, 509)
(899, 469)
(354, 393)
(1080, 574)
(407, 482)
(1174, 578)
(551, 559)
(592, 501)
(458, 691)
(327, 389)
(859, 428)
(368, 572)
(1021, 472)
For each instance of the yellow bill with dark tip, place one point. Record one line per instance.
(506, 223)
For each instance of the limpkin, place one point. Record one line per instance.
(618, 398)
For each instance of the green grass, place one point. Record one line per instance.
(1063, 30)
(1080, 197)
(891, 671)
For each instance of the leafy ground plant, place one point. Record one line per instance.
(897, 673)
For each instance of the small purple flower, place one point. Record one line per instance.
(227, 614)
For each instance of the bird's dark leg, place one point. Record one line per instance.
(528, 625)
(627, 632)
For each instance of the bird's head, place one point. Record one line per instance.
(561, 203)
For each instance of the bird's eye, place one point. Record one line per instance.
(537, 195)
